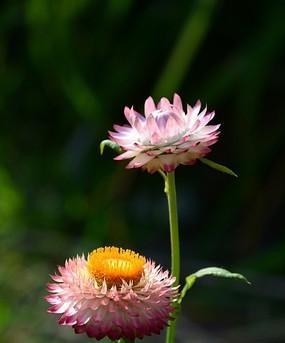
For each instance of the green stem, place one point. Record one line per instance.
(170, 191)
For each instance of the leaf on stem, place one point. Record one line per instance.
(210, 271)
(217, 166)
(110, 144)
(220, 272)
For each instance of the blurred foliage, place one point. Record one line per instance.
(67, 69)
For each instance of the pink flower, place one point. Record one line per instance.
(165, 136)
(115, 293)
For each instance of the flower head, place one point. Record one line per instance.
(115, 293)
(166, 135)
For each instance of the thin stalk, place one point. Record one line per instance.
(170, 191)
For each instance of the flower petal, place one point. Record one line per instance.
(153, 129)
(149, 106)
(123, 128)
(92, 309)
(165, 133)
(164, 104)
(177, 102)
(139, 161)
(131, 115)
(169, 162)
(126, 155)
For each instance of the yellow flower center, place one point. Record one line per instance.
(115, 264)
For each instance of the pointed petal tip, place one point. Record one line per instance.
(198, 103)
(126, 110)
(149, 105)
(177, 102)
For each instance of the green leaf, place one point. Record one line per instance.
(110, 144)
(210, 271)
(217, 166)
(220, 272)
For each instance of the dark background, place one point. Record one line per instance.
(67, 69)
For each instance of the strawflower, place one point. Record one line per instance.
(114, 293)
(165, 136)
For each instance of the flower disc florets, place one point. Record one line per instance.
(115, 293)
(165, 136)
(114, 265)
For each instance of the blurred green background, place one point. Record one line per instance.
(67, 70)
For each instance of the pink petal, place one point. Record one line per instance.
(56, 278)
(188, 158)
(53, 299)
(84, 317)
(59, 308)
(153, 129)
(202, 114)
(127, 111)
(139, 161)
(208, 117)
(131, 115)
(169, 162)
(153, 166)
(80, 329)
(164, 104)
(124, 128)
(211, 141)
(192, 128)
(126, 155)
(161, 122)
(172, 126)
(54, 288)
(193, 112)
(208, 129)
(67, 320)
(149, 106)
(155, 152)
(122, 139)
(177, 102)
(139, 124)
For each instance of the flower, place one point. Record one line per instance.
(165, 136)
(115, 293)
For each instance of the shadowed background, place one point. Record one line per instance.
(67, 70)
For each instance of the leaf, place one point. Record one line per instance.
(220, 272)
(210, 271)
(110, 144)
(217, 166)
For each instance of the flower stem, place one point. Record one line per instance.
(170, 191)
